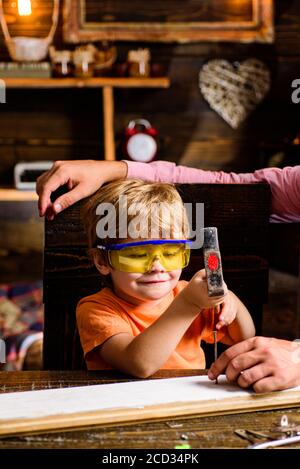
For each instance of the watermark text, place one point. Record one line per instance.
(160, 221)
(2, 92)
(296, 93)
(2, 351)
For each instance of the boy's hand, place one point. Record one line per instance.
(228, 310)
(196, 292)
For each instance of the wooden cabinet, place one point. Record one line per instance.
(107, 85)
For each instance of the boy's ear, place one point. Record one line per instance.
(100, 264)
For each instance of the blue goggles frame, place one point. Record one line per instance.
(116, 247)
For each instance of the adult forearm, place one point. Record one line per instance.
(113, 170)
(166, 171)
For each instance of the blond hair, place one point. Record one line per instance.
(172, 221)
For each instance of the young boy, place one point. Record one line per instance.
(147, 319)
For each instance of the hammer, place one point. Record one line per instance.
(214, 273)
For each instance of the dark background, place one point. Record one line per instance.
(66, 124)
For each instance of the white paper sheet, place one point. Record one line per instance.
(137, 394)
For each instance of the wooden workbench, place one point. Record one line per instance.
(205, 432)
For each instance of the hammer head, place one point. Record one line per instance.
(212, 262)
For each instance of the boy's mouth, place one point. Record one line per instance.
(149, 282)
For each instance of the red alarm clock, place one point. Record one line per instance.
(140, 141)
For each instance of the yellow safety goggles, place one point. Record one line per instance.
(139, 256)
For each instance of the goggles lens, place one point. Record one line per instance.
(139, 259)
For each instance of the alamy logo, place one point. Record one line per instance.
(164, 221)
(2, 351)
(296, 94)
(2, 92)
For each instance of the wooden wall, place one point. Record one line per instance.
(65, 124)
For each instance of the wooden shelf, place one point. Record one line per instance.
(14, 195)
(106, 83)
(114, 82)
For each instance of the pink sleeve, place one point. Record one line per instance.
(285, 188)
(284, 183)
(165, 171)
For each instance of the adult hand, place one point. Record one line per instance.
(83, 178)
(264, 363)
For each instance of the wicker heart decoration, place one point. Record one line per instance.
(233, 91)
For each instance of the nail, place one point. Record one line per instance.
(57, 208)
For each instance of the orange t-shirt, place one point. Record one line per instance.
(103, 315)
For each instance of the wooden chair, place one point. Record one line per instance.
(241, 213)
(284, 255)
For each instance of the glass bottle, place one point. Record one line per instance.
(84, 63)
(139, 63)
(61, 64)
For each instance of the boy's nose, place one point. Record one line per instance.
(156, 265)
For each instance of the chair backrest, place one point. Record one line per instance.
(241, 213)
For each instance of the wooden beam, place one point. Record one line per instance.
(160, 82)
(108, 118)
(14, 195)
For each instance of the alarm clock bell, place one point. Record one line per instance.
(141, 141)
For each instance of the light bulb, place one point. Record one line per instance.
(24, 7)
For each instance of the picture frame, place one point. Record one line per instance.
(212, 21)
